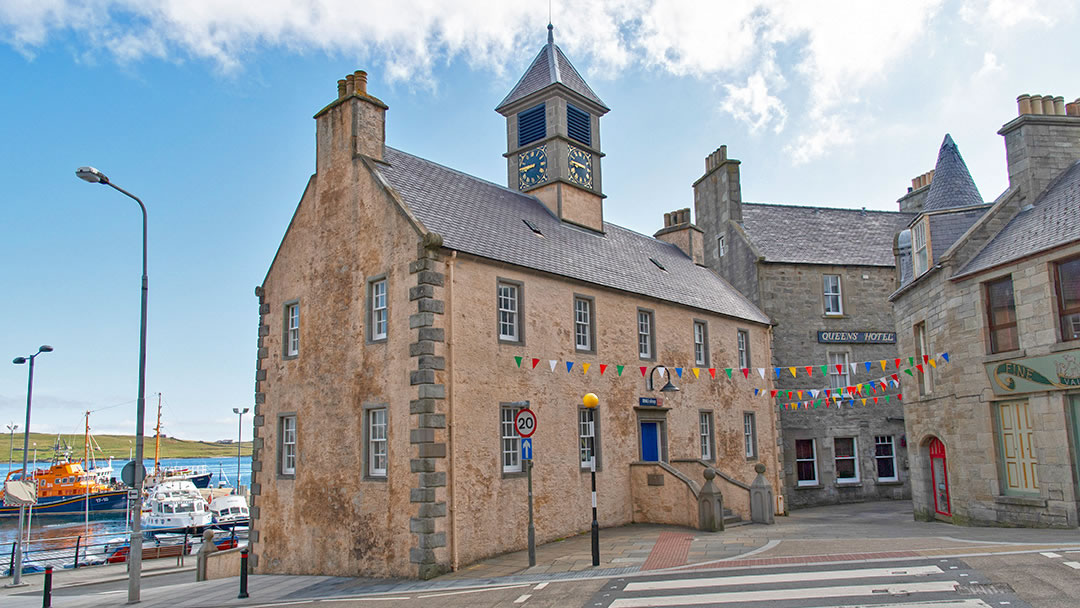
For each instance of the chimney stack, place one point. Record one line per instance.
(680, 232)
(353, 124)
(1041, 142)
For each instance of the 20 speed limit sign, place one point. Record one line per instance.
(525, 423)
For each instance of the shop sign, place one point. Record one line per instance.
(1059, 371)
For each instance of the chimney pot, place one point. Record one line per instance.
(361, 82)
(1059, 105)
(1071, 109)
(1023, 104)
(341, 88)
(931, 175)
(1036, 104)
(723, 152)
(667, 220)
(350, 84)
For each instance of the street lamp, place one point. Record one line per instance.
(16, 577)
(11, 427)
(590, 400)
(93, 176)
(239, 428)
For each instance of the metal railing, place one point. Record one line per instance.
(81, 551)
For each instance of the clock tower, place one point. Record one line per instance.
(553, 138)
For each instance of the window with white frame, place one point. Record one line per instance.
(922, 347)
(587, 436)
(847, 463)
(705, 425)
(287, 445)
(834, 301)
(720, 249)
(921, 259)
(377, 442)
(292, 329)
(701, 345)
(645, 335)
(838, 370)
(806, 462)
(511, 442)
(885, 455)
(749, 435)
(583, 329)
(378, 310)
(744, 348)
(509, 319)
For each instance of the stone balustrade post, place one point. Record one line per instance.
(762, 507)
(710, 505)
(205, 550)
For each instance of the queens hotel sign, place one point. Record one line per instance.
(856, 337)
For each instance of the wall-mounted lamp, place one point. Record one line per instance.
(668, 387)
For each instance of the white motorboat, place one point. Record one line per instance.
(229, 511)
(175, 506)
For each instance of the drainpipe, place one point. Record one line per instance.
(454, 562)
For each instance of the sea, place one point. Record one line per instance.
(53, 532)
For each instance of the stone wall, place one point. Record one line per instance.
(959, 410)
(223, 564)
(662, 496)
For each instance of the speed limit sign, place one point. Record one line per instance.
(525, 423)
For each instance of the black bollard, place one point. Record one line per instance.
(243, 575)
(78, 541)
(46, 596)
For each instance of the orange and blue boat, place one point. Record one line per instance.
(66, 488)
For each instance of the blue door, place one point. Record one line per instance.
(650, 441)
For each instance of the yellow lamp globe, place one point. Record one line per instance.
(590, 400)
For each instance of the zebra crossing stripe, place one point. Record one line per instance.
(791, 577)
(808, 593)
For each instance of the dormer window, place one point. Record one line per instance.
(578, 125)
(921, 257)
(532, 125)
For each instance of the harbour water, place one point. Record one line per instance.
(59, 532)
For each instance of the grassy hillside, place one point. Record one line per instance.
(116, 446)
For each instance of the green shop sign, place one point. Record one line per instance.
(1053, 372)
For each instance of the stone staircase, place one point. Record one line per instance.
(731, 519)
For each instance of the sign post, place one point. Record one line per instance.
(525, 425)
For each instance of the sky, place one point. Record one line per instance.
(203, 109)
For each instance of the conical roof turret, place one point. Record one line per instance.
(550, 67)
(952, 186)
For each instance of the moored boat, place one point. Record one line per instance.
(175, 506)
(229, 511)
(67, 488)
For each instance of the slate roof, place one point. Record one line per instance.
(550, 67)
(823, 235)
(947, 228)
(478, 217)
(952, 185)
(1053, 220)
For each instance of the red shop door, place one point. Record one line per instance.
(939, 477)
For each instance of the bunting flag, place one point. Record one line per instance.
(792, 370)
(824, 370)
(696, 372)
(875, 400)
(535, 361)
(899, 396)
(553, 362)
(643, 368)
(712, 372)
(911, 361)
(618, 369)
(585, 368)
(774, 391)
(809, 371)
(945, 356)
(839, 368)
(854, 368)
(728, 370)
(933, 363)
(603, 368)
(864, 401)
(882, 365)
(756, 392)
(678, 370)
(746, 372)
(896, 378)
(761, 372)
(662, 370)
(925, 358)
(907, 371)
(777, 370)
(919, 367)
(867, 366)
(569, 364)
(897, 364)
(518, 359)
(799, 393)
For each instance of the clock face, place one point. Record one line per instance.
(532, 167)
(579, 163)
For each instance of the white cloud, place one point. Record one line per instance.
(989, 66)
(809, 60)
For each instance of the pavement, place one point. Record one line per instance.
(854, 533)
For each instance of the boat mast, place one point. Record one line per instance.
(86, 444)
(157, 437)
(86, 482)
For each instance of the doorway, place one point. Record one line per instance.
(650, 441)
(939, 477)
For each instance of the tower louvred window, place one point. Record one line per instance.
(578, 125)
(532, 125)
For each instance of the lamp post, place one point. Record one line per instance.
(11, 427)
(16, 576)
(590, 400)
(93, 176)
(239, 428)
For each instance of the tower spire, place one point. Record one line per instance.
(551, 33)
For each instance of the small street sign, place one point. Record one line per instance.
(526, 449)
(525, 423)
(644, 401)
(132, 494)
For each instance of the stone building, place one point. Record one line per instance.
(823, 275)
(412, 311)
(997, 287)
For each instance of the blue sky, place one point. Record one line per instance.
(204, 110)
